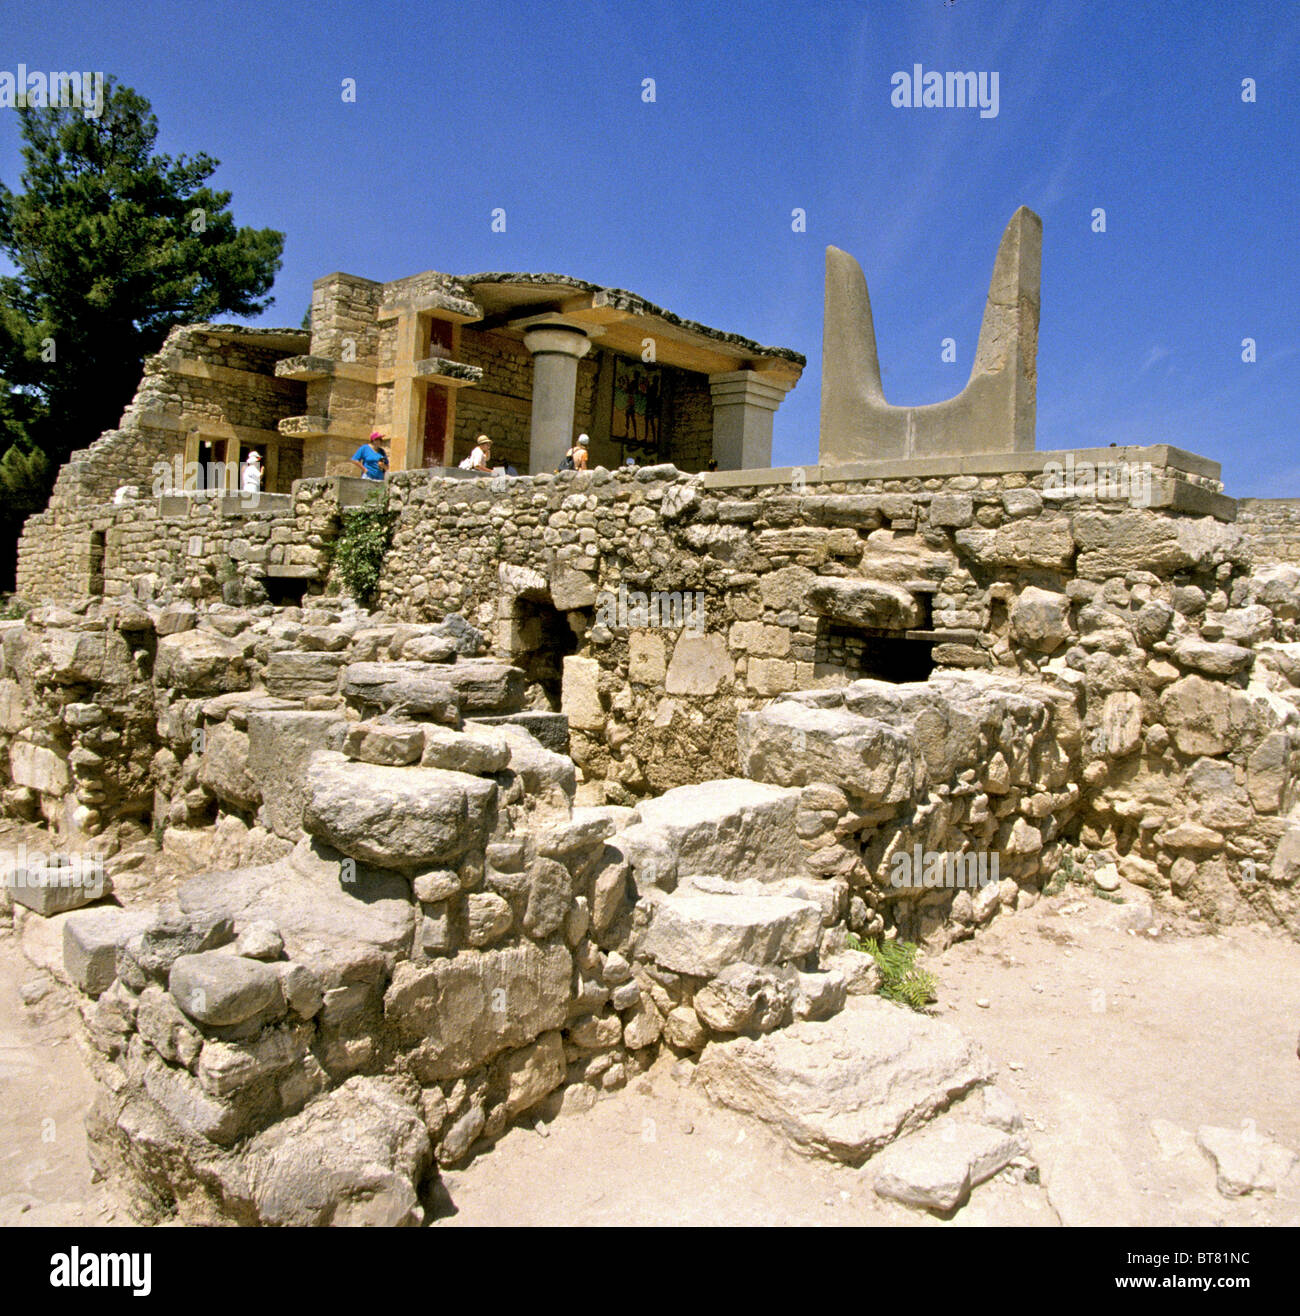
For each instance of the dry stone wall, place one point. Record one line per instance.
(395, 923)
(1273, 525)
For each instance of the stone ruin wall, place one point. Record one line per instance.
(378, 834)
(398, 913)
(1273, 525)
(1176, 646)
(54, 552)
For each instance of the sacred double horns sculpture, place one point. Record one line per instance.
(994, 413)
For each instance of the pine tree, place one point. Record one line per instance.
(113, 246)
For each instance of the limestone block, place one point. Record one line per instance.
(479, 750)
(294, 675)
(386, 743)
(951, 510)
(1199, 713)
(846, 1086)
(90, 944)
(701, 933)
(38, 768)
(700, 664)
(759, 638)
(731, 827)
(580, 693)
(280, 745)
(937, 1167)
(571, 588)
(403, 818)
(647, 660)
(771, 676)
(199, 663)
(458, 1013)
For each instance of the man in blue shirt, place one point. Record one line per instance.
(370, 458)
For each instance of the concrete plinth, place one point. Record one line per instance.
(743, 404)
(556, 351)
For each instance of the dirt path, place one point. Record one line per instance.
(45, 1174)
(1096, 1032)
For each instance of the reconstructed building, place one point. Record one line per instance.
(531, 360)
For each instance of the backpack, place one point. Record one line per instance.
(566, 464)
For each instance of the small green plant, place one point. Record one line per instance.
(902, 980)
(360, 549)
(1068, 873)
(13, 609)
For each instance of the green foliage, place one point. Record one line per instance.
(902, 980)
(360, 548)
(111, 246)
(1070, 872)
(13, 610)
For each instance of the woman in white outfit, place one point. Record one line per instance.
(252, 481)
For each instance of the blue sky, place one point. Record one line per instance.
(761, 108)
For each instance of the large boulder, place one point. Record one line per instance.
(1040, 619)
(200, 663)
(402, 818)
(846, 1087)
(416, 689)
(867, 603)
(219, 989)
(223, 766)
(727, 826)
(345, 921)
(458, 1013)
(354, 1156)
(702, 932)
(795, 742)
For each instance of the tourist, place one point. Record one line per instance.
(371, 459)
(576, 458)
(481, 457)
(252, 478)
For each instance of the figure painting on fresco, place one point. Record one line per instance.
(638, 402)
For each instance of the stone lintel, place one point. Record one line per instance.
(439, 305)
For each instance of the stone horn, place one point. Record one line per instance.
(994, 413)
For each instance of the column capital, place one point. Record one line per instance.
(567, 340)
(746, 388)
